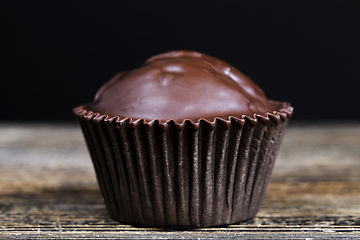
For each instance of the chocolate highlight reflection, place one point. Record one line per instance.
(184, 141)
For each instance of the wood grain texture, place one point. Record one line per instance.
(48, 188)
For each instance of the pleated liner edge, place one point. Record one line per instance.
(183, 175)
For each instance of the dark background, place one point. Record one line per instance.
(57, 54)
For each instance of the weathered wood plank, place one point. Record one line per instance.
(48, 188)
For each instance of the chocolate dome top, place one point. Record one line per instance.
(181, 85)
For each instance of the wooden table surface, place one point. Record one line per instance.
(48, 188)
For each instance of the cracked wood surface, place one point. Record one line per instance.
(48, 188)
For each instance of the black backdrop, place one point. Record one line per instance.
(57, 54)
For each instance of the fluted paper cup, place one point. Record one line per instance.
(188, 174)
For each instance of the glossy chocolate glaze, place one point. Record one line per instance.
(181, 85)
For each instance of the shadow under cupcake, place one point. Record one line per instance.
(184, 141)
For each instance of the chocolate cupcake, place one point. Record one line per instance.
(184, 141)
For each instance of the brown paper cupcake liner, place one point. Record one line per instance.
(189, 174)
